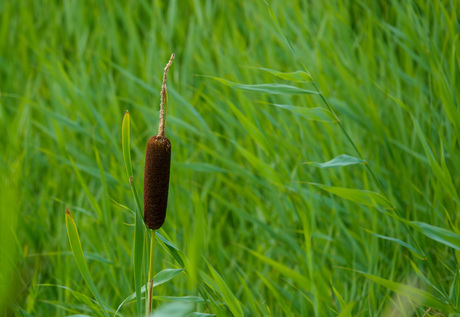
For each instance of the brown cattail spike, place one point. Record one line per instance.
(156, 181)
(157, 164)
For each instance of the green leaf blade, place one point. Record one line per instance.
(365, 197)
(161, 278)
(339, 161)
(183, 299)
(417, 295)
(228, 296)
(125, 144)
(179, 309)
(165, 275)
(283, 269)
(75, 245)
(400, 242)
(441, 235)
(275, 89)
(272, 89)
(139, 227)
(298, 76)
(170, 248)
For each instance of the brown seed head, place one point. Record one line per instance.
(156, 181)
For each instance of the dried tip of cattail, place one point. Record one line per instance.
(156, 181)
(170, 61)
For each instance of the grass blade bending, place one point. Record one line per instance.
(339, 161)
(444, 236)
(298, 76)
(364, 197)
(415, 294)
(227, 295)
(272, 89)
(77, 251)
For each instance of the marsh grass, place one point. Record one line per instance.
(245, 230)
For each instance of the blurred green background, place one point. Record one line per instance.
(239, 193)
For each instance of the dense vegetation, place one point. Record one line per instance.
(255, 236)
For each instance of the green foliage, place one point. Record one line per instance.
(245, 232)
(77, 251)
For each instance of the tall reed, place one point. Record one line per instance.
(156, 181)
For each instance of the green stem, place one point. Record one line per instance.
(148, 311)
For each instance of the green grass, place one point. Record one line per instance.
(247, 231)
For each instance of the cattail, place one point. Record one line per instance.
(157, 166)
(156, 181)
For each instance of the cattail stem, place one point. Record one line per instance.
(164, 100)
(151, 270)
(156, 183)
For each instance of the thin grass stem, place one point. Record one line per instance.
(150, 274)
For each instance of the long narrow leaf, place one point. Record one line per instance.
(299, 278)
(161, 278)
(185, 299)
(228, 296)
(400, 242)
(364, 197)
(298, 76)
(273, 89)
(339, 161)
(173, 310)
(125, 144)
(170, 248)
(127, 159)
(139, 227)
(345, 307)
(164, 276)
(417, 295)
(77, 251)
(88, 301)
(444, 236)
